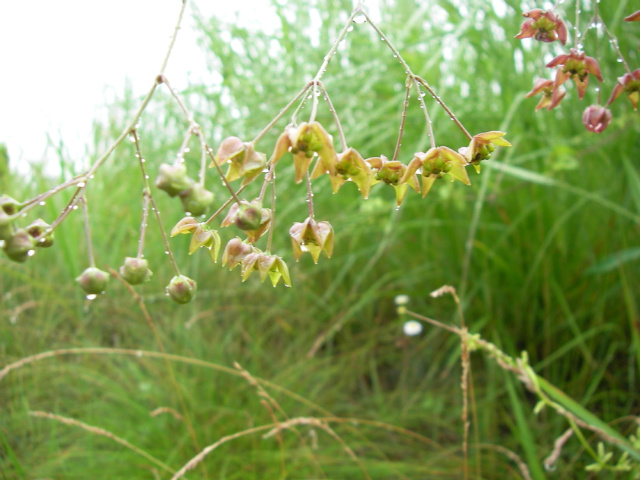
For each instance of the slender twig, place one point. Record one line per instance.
(281, 113)
(403, 117)
(328, 57)
(146, 193)
(309, 196)
(336, 119)
(163, 234)
(87, 231)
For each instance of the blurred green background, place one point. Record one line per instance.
(543, 249)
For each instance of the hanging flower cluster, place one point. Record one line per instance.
(548, 27)
(306, 146)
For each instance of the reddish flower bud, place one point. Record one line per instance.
(196, 200)
(173, 179)
(596, 118)
(93, 280)
(181, 289)
(19, 246)
(135, 271)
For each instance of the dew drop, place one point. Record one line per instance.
(82, 184)
(42, 203)
(166, 252)
(91, 296)
(75, 207)
(31, 253)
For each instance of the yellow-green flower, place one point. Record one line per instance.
(242, 159)
(435, 164)
(351, 166)
(304, 141)
(482, 146)
(313, 237)
(266, 265)
(392, 172)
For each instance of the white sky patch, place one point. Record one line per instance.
(64, 61)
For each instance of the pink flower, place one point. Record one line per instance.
(577, 66)
(545, 87)
(543, 26)
(596, 118)
(629, 83)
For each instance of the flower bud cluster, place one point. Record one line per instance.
(547, 26)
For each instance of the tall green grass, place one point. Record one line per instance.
(542, 249)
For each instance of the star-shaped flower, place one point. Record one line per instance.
(577, 66)
(629, 83)
(545, 87)
(313, 237)
(304, 141)
(437, 163)
(543, 26)
(392, 172)
(266, 265)
(482, 146)
(242, 159)
(351, 166)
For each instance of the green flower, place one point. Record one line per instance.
(482, 146)
(435, 164)
(313, 237)
(304, 141)
(93, 280)
(242, 159)
(135, 271)
(266, 265)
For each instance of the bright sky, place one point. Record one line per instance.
(64, 60)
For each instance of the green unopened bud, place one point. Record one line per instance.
(19, 246)
(181, 289)
(249, 216)
(93, 280)
(173, 179)
(135, 271)
(196, 200)
(9, 205)
(36, 229)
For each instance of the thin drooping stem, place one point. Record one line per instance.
(165, 240)
(343, 140)
(403, 117)
(89, 174)
(146, 194)
(309, 196)
(222, 175)
(614, 43)
(437, 98)
(281, 113)
(272, 180)
(328, 57)
(87, 231)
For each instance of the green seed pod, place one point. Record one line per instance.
(19, 246)
(9, 205)
(196, 200)
(135, 271)
(36, 229)
(249, 216)
(93, 280)
(173, 179)
(181, 289)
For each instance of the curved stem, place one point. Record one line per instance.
(343, 140)
(309, 196)
(424, 83)
(165, 240)
(281, 114)
(403, 117)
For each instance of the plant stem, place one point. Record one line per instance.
(165, 240)
(309, 196)
(343, 140)
(146, 193)
(329, 56)
(281, 114)
(403, 117)
(87, 231)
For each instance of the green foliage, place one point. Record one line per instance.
(542, 249)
